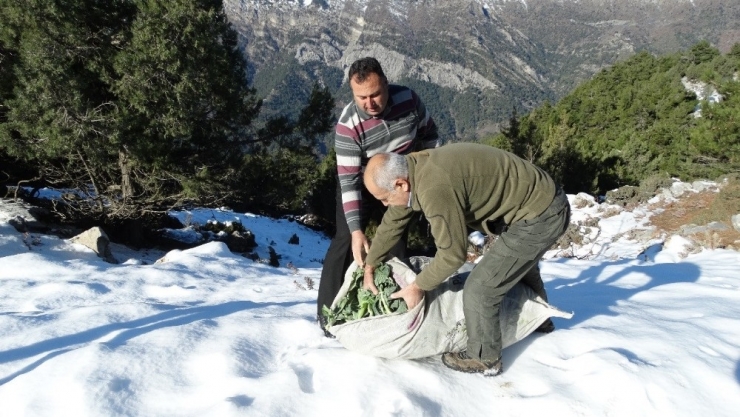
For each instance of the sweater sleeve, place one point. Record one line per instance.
(349, 169)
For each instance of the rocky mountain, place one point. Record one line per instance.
(471, 61)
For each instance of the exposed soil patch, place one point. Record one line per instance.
(701, 208)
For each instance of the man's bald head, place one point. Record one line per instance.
(384, 169)
(375, 164)
(387, 174)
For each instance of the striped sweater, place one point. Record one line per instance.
(403, 127)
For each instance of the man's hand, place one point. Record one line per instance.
(411, 294)
(360, 247)
(368, 281)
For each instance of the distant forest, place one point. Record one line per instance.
(637, 120)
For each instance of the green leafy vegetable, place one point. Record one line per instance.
(360, 303)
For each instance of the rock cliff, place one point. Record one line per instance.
(474, 60)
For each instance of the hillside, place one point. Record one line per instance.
(472, 61)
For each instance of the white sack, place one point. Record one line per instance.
(437, 324)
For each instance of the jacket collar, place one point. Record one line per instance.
(414, 200)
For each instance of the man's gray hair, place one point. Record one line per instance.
(392, 167)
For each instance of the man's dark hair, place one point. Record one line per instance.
(363, 67)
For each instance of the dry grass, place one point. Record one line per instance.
(701, 209)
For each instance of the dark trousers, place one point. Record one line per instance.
(513, 257)
(339, 255)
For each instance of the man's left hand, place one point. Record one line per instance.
(368, 281)
(411, 294)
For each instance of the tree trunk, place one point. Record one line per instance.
(124, 163)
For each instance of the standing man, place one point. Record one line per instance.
(382, 118)
(478, 186)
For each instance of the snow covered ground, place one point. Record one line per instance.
(205, 332)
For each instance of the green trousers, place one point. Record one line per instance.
(513, 257)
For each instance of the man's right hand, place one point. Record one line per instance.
(360, 247)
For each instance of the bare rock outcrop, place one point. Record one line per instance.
(96, 239)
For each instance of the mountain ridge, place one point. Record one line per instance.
(500, 54)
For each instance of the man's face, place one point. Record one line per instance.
(398, 197)
(371, 95)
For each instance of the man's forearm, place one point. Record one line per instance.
(388, 233)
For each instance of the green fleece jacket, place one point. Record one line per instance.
(461, 186)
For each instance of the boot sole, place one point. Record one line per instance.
(485, 372)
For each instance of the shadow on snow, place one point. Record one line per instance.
(173, 316)
(594, 293)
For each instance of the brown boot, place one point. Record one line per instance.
(547, 327)
(460, 361)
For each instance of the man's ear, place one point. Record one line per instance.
(404, 184)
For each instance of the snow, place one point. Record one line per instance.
(205, 332)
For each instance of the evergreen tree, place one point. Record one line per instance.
(734, 54)
(702, 52)
(143, 103)
(716, 138)
(8, 59)
(280, 171)
(184, 104)
(59, 115)
(511, 133)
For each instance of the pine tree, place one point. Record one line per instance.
(185, 106)
(282, 171)
(60, 112)
(143, 103)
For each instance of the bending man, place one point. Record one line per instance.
(461, 186)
